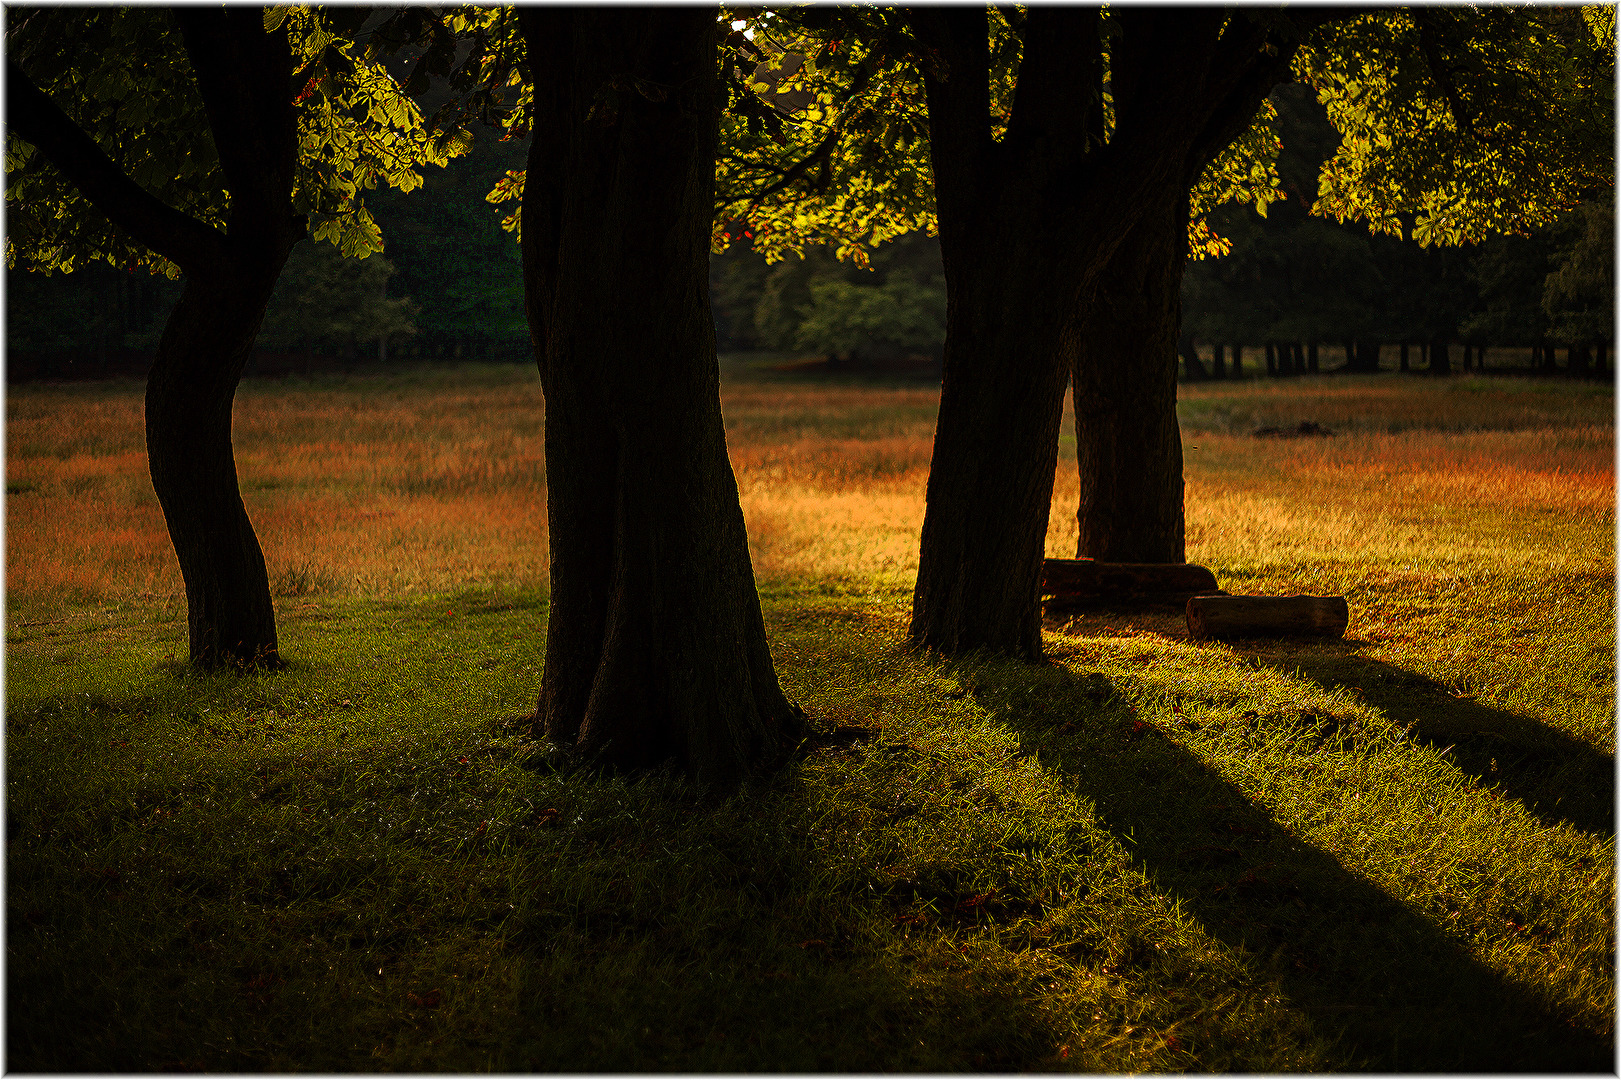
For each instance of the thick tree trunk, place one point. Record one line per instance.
(1029, 226)
(1311, 358)
(1404, 362)
(189, 392)
(1218, 365)
(1238, 361)
(1128, 447)
(1271, 360)
(655, 648)
(989, 494)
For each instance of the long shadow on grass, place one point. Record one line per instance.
(1560, 779)
(635, 926)
(1402, 995)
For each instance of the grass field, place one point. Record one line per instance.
(1393, 852)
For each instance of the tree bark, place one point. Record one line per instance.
(189, 393)
(1403, 362)
(1238, 361)
(1311, 358)
(656, 649)
(1128, 446)
(1218, 364)
(1271, 360)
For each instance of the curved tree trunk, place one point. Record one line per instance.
(1128, 447)
(655, 647)
(242, 72)
(189, 392)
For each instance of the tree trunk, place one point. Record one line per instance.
(1218, 364)
(241, 71)
(1576, 361)
(990, 490)
(1271, 360)
(1238, 361)
(1030, 226)
(1311, 358)
(1128, 447)
(1404, 365)
(655, 649)
(1440, 360)
(189, 393)
(1191, 365)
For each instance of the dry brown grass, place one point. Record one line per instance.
(435, 481)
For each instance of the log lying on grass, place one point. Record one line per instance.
(1267, 616)
(1076, 583)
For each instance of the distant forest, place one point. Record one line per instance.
(450, 287)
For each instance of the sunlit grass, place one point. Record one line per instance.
(1391, 852)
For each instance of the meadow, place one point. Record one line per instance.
(1393, 852)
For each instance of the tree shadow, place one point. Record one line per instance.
(1559, 778)
(271, 950)
(1398, 992)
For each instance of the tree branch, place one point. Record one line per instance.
(177, 236)
(1430, 46)
(820, 154)
(242, 74)
(959, 102)
(1058, 101)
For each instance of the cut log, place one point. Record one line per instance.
(1079, 583)
(1070, 577)
(1267, 616)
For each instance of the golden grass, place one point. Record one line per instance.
(429, 482)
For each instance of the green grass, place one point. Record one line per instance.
(1393, 852)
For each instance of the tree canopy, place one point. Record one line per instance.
(1453, 124)
(124, 83)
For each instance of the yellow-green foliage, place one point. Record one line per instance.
(124, 76)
